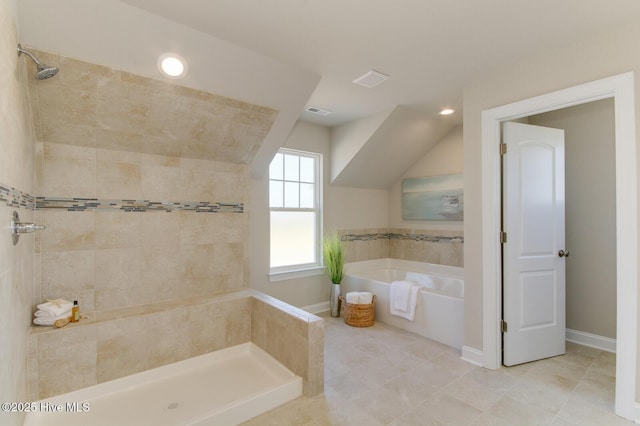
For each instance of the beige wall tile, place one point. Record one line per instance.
(67, 231)
(123, 348)
(68, 171)
(207, 328)
(161, 178)
(231, 227)
(118, 279)
(117, 229)
(67, 272)
(228, 267)
(67, 360)
(118, 180)
(161, 273)
(197, 228)
(78, 135)
(168, 337)
(66, 105)
(121, 115)
(160, 229)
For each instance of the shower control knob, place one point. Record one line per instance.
(26, 228)
(18, 227)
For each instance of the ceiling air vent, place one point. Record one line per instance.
(370, 79)
(318, 111)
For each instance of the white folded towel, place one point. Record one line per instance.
(353, 297)
(44, 321)
(56, 307)
(399, 294)
(365, 298)
(412, 299)
(47, 315)
(46, 318)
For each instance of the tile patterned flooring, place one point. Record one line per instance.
(381, 375)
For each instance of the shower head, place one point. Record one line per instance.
(44, 71)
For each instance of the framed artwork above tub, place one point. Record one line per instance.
(433, 198)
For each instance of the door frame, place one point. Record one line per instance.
(621, 88)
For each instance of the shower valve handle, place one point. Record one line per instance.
(26, 227)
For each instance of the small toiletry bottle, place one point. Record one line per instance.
(75, 312)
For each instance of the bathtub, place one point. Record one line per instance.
(225, 387)
(440, 308)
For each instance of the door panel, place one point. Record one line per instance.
(533, 219)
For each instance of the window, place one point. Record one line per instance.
(294, 202)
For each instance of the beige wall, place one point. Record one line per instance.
(17, 172)
(444, 158)
(342, 208)
(590, 219)
(358, 212)
(578, 62)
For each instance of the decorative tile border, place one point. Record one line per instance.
(365, 237)
(403, 236)
(16, 198)
(94, 204)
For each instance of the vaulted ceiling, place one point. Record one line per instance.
(289, 54)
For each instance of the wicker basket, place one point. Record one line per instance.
(358, 315)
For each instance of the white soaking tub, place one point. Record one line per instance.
(440, 308)
(224, 387)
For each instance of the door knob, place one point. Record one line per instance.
(563, 253)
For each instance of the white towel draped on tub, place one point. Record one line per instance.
(403, 297)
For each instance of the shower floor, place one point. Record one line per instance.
(220, 388)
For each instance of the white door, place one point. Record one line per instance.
(534, 255)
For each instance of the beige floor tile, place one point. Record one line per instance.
(384, 376)
(585, 414)
(468, 390)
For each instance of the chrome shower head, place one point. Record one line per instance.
(44, 71)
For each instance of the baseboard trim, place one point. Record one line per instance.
(591, 340)
(317, 308)
(472, 355)
(637, 413)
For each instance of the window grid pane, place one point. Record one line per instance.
(292, 194)
(294, 233)
(307, 169)
(293, 240)
(291, 167)
(276, 168)
(307, 199)
(276, 193)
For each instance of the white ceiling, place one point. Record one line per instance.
(429, 48)
(289, 54)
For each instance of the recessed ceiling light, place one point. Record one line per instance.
(172, 65)
(370, 79)
(447, 111)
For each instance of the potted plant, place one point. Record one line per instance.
(333, 251)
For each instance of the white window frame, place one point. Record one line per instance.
(287, 272)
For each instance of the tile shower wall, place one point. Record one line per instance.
(143, 188)
(439, 247)
(16, 180)
(110, 255)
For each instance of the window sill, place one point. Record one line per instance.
(299, 273)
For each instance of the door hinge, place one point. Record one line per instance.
(503, 326)
(503, 237)
(503, 148)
